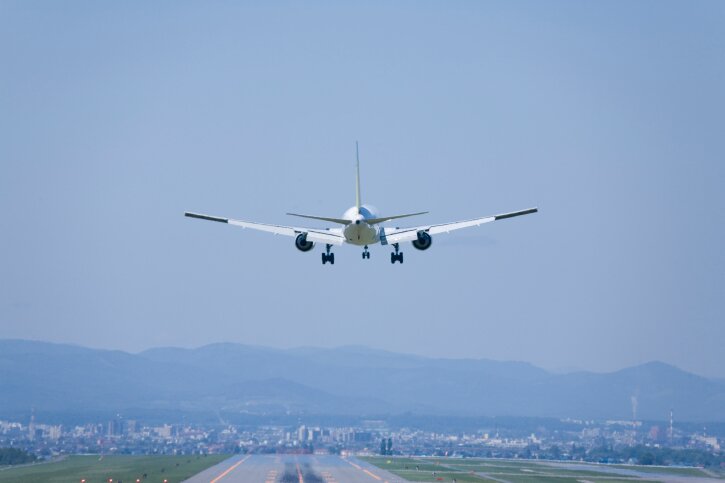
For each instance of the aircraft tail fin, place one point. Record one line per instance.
(358, 202)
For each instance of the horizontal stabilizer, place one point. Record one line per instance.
(373, 221)
(323, 218)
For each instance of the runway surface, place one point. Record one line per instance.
(294, 469)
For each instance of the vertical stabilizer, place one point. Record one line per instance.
(357, 178)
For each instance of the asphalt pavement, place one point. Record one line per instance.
(294, 469)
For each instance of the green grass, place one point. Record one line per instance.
(389, 463)
(406, 468)
(571, 479)
(97, 469)
(535, 478)
(513, 471)
(523, 468)
(665, 470)
(439, 476)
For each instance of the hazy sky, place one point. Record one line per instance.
(116, 117)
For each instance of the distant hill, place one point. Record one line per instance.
(342, 381)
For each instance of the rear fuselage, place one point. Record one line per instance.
(359, 232)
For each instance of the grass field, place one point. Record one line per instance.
(126, 469)
(519, 471)
(664, 470)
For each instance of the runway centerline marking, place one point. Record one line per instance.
(271, 476)
(229, 470)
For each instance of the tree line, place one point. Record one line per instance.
(15, 456)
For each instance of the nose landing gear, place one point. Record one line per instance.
(396, 255)
(366, 253)
(327, 256)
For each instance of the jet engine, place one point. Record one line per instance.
(302, 244)
(423, 242)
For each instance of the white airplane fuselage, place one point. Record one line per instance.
(359, 232)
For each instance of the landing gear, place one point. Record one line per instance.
(396, 255)
(327, 256)
(366, 253)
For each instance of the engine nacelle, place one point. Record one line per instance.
(424, 241)
(302, 244)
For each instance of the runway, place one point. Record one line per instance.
(294, 469)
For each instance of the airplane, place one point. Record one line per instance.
(361, 226)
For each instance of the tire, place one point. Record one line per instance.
(324, 259)
(332, 258)
(392, 258)
(401, 258)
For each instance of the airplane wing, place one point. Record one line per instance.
(398, 235)
(332, 236)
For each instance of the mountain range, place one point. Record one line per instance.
(359, 381)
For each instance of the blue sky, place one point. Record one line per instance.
(118, 117)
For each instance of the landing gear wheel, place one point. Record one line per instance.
(396, 255)
(328, 257)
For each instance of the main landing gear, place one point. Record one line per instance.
(328, 257)
(396, 255)
(366, 253)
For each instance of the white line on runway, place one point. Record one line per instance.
(229, 470)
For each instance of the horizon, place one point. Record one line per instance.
(372, 349)
(259, 382)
